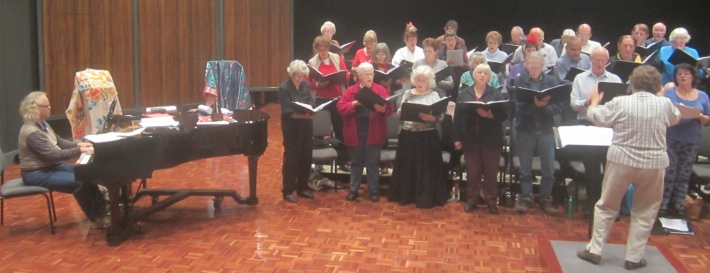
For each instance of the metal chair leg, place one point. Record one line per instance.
(54, 210)
(49, 212)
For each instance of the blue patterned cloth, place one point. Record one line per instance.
(230, 79)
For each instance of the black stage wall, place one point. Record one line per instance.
(609, 19)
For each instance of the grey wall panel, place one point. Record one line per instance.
(18, 64)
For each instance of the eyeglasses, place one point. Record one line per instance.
(43, 106)
(682, 74)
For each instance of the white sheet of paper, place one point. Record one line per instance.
(677, 224)
(687, 112)
(455, 56)
(159, 122)
(585, 135)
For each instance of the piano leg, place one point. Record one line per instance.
(253, 162)
(120, 224)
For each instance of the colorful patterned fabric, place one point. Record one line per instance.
(90, 101)
(231, 80)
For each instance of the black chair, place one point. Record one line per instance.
(700, 178)
(15, 188)
(323, 128)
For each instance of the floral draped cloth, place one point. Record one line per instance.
(231, 80)
(90, 102)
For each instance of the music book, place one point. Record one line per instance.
(342, 49)
(573, 72)
(410, 111)
(687, 112)
(677, 226)
(470, 52)
(679, 56)
(338, 77)
(396, 72)
(557, 94)
(406, 64)
(623, 69)
(648, 49)
(303, 108)
(83, 159)
(497, 67)
(509, 48)
(442, 74)
(369, 98)
(498, 105)
(455, 56)
(611, 90)
(581, 135)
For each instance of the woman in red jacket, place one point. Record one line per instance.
(364, 132)
(327, 63)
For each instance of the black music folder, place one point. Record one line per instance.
(342, 49)
(410, 111)
(611, 90)
(498, 105)
(497, 67)
(648, 49)
(395, 73)
(303, 108)
(509, 48)
(557, 94)
(406, 64)
(338, 77)
(573, 72)
(369, 98)
(679, 56)
(443, 74)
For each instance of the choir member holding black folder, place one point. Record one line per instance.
(297, 127)
(365, 129)
(419, 175)
(327, 63)
(479, 132)
(533, 129)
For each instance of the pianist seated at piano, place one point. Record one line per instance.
(43, 157)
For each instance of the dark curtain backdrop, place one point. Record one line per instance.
(609, 19)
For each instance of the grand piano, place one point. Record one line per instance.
(118, 164)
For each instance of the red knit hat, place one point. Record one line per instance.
(531, 39)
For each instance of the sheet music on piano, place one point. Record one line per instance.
(159, 122)
(582, 135)
(113, 136)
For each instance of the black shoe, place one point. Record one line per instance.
(290, 198)
(469, 207)
(351, 196)
(548, 207)
(375, 197)
(492, 208)
(522, 206)
(305, 194)
(631, 265)
(344, 168)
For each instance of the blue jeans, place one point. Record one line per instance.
(545, 144)
(60, 178)
(367, 156)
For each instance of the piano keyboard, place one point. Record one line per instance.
(83, 159)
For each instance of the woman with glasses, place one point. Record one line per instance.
(43, 157)
(679, 38)
(683, 140)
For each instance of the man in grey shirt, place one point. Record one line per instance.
(638, 153)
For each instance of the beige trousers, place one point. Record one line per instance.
(648, 193)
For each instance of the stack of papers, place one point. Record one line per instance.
(159, 122)
(676, 226)
(112, 136)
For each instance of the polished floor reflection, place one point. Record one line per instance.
(328, 234)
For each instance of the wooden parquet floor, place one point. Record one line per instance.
(328, 234)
